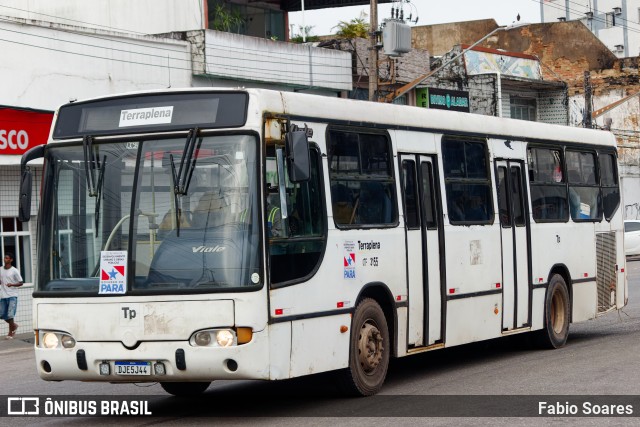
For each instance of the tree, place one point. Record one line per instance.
(357, 27)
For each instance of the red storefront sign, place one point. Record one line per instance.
(22, 129)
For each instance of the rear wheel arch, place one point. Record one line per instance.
(557, 308)
(563, 271)
(381, 293)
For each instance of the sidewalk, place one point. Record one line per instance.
(20, 340)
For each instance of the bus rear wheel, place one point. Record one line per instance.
(185, 389)
(556, 315)
(369, 351)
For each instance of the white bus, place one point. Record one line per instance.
(188, 236)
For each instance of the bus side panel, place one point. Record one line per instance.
(537, 304)
(474, 262)
(622, 288)
(319, 345)
(279, 350)
(473, 319)
(567, 244)
(585, 301)
(352, 260)
(400, 349)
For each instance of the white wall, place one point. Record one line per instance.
(254, 59)
(44, 67)
(627, 27)
(134, 16)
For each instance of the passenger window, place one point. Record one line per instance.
(584, 191)
(548, 185)
(362, 184)
(609, 184)
(467, 181)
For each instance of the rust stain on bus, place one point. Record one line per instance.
(273, 129)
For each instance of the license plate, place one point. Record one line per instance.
(133, 368)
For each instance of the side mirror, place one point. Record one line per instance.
(26, 179)
(297, 147)
(24, 204)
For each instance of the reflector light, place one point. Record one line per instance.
(540, 280)
(340, 304)
(622, 270)
(399, 298)
(586, 275)
(159, 369)
(105, 369)
(452, 291)
(279, 311)
(497, 285)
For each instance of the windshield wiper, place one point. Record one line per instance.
(182, 178)
(99, 190)
(90, 164)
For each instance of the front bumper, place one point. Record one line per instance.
(246, 361)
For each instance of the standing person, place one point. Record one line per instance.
(10, 279)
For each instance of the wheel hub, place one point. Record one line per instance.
(370, 347)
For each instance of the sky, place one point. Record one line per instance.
(428, 11)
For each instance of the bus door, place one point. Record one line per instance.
(514, 227)
(422, 227)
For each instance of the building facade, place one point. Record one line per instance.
(502, 84)
(615, 22)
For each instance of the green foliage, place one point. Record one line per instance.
(357, 27)
(227, 20)
(307, 32)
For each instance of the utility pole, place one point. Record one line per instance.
(586, 121)
(373, 51)
(406, 88)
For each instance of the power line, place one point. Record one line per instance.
(210, 58)
(70, 20)
(279, 55)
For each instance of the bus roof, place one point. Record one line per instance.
(354, 112)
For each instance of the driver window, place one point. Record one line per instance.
(296, 241)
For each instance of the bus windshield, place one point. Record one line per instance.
(185, 220)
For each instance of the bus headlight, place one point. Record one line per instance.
(68, 341)
(214, 338)
(51, 340)
(225, 338)
(203, 338)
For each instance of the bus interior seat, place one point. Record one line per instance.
(212, 210)
(374, 204)
(342, 203)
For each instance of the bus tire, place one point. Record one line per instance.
(556, 315)
(184, 388)
(369, 351)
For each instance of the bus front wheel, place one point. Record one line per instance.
(368, 352)
(556, 314)
(185, 389)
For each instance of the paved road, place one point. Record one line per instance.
(602, 357)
